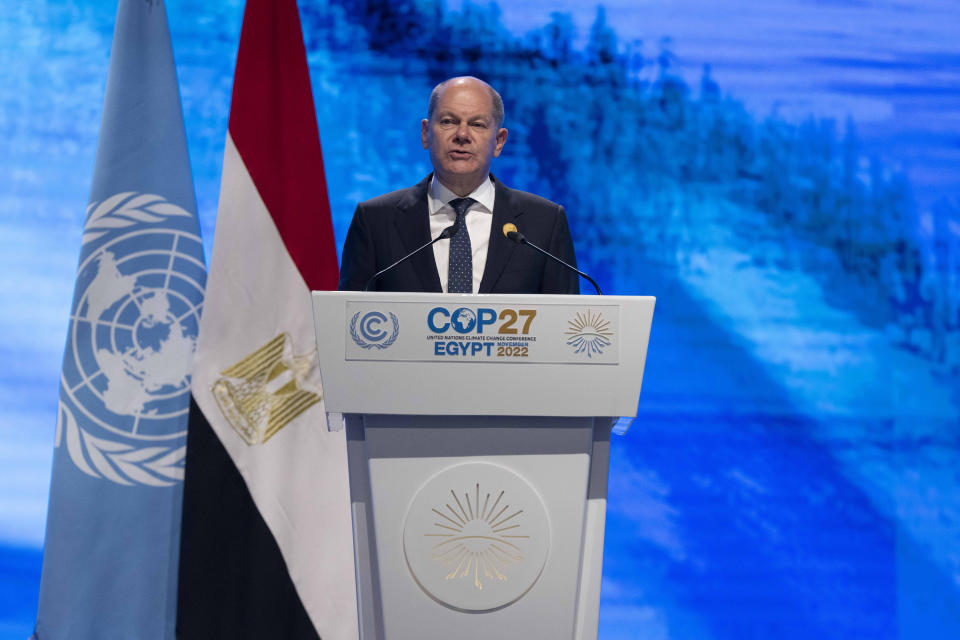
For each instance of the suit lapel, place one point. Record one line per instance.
(413, 227)
(500, 248)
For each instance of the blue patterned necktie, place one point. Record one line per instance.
(460, 271)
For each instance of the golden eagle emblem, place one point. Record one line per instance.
(267, 389)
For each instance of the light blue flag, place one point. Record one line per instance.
(113, 529)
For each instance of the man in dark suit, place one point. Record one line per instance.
(463, 134)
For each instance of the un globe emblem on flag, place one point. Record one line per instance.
(125, 386)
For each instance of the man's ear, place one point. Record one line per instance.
(501, 140)
(425, 133)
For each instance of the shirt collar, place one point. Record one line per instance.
(440, 196)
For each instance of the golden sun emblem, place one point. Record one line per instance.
(477, 540)
(589, 333)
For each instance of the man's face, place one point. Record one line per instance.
(462, 135)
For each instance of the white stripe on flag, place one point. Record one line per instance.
(297, 477)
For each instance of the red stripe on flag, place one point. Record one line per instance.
(274, 127)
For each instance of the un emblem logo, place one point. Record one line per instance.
(373, 330)
(125, 386)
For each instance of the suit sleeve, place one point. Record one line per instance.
(556, 277)
(358, 255)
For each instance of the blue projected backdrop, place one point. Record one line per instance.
(783, 176)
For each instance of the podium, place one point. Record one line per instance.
(478, 431)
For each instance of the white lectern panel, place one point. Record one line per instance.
(397, 353)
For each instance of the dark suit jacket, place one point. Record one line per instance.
(389, 227)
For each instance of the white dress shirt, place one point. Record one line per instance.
(479, 219)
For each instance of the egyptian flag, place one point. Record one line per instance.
(266, 548)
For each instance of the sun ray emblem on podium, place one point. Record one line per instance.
(589, 333)
(477, 540)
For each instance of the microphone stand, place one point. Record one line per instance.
(446, 233)
(519, 238)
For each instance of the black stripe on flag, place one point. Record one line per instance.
(234, 583)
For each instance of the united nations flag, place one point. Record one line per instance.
(110, 558)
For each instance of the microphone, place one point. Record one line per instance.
(512, 233)
(449, 232)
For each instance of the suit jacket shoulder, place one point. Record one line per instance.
(383, 230)
(525, 198)
(401, 198)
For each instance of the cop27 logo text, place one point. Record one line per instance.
(466, 320)
(373, 330)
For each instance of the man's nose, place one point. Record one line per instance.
(463, 133)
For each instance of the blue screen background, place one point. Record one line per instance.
(782, 176)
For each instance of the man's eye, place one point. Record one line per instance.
(480, 125)
(446, 121)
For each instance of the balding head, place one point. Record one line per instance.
(495, 99)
